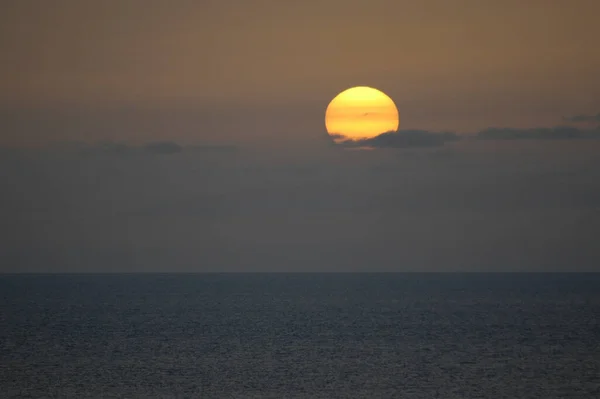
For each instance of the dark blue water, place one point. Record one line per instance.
(300, 336)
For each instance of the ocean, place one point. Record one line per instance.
(300, 336)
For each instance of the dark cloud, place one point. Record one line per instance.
(104, 148)
(163, 147)
(426, 139)
(203, 148)
(121, 149)
(337, 136)
(555, 133)
(401, 139)
(583, 118)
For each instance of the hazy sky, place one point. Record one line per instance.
(122, 89)
(242, 69)
(475, 206)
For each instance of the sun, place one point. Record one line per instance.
(360, 113)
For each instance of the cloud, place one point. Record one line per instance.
(212, 148)
(118, 148)
(105, 148)
(583, 118)
(401, 139)
(555, 133)
(424, 139)
(163, 147)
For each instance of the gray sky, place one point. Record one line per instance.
(102, 93)
(475, 206)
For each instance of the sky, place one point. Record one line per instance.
(239, 71)
(189, 136)
(481, 206)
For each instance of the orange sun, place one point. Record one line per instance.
(360, 113)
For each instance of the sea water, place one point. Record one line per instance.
(300, 336)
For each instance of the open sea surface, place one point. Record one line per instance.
(300, 336)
